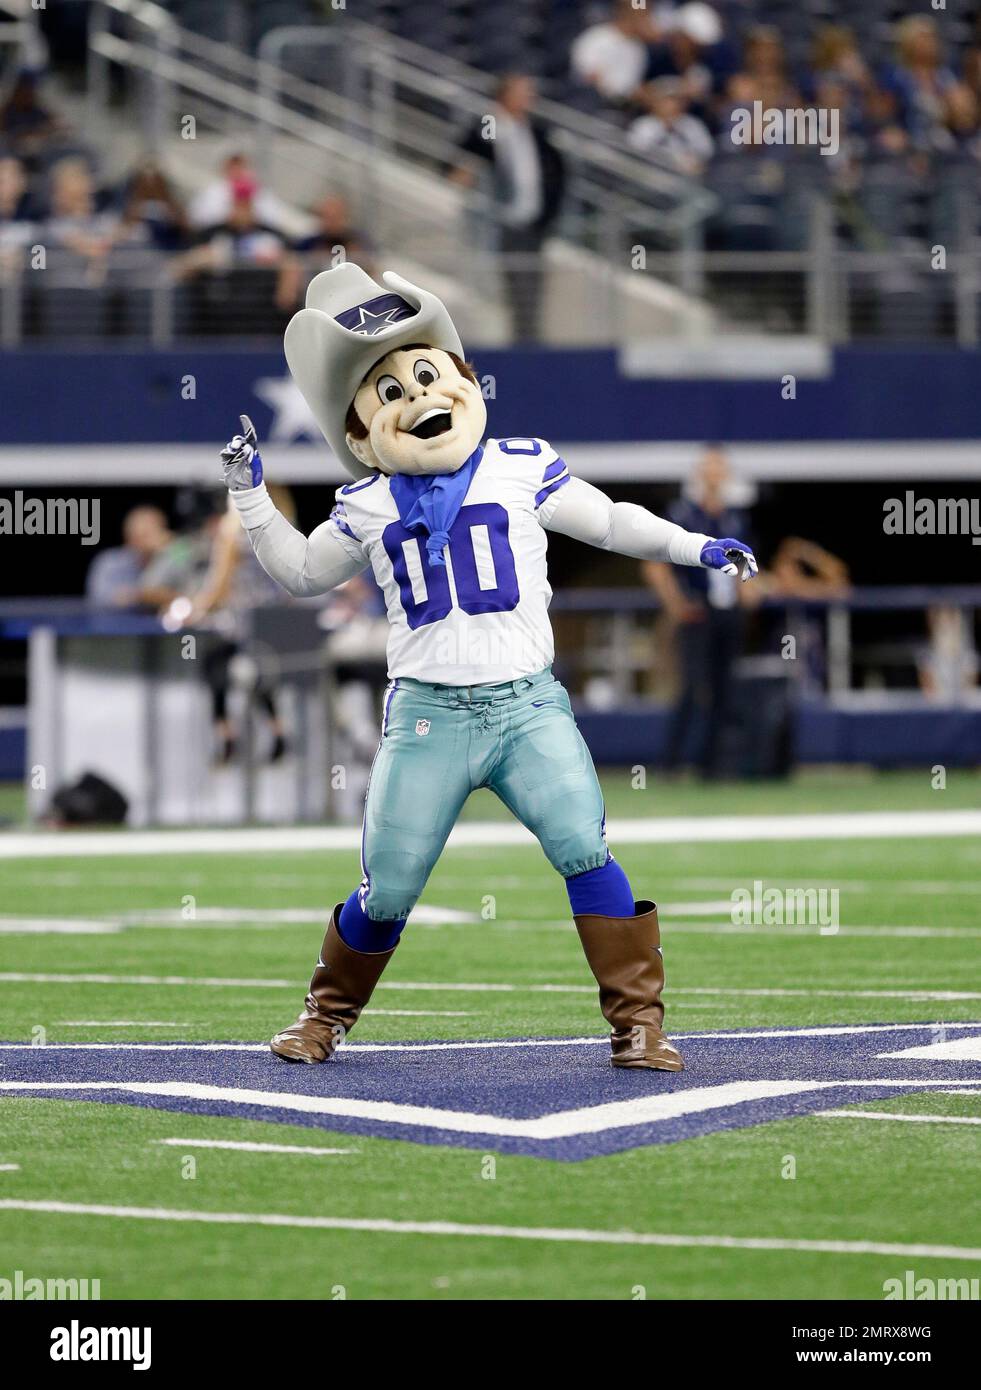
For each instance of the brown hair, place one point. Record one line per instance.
(355, 426)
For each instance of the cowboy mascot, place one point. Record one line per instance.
(455, 527)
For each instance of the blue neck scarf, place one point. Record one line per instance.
(433, 502)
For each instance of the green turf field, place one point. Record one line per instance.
(909, 936)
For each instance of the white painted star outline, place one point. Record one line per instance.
(374, 323)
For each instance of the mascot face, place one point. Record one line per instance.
(417, 413)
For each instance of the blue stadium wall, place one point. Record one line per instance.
(123, 396)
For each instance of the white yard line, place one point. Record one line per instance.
(385, 1226)
(244, 1146)
(478, 835)
(245, 920)
(472, 987)
(891, 1115)
(484, 1043)
(9, 1167)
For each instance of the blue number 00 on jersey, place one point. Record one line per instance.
(482, 560)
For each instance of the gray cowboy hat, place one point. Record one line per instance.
(350, 322)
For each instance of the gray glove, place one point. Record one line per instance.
(241, 464)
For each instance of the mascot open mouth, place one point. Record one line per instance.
(434, 422)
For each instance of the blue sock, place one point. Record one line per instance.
(604, 891)
(361, 933)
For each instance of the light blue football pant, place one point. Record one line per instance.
(439, 743)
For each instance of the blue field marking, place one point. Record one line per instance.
(552, 1098)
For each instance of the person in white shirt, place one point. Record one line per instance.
(612, 56)
(669, 133)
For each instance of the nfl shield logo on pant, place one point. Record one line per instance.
(422, 726)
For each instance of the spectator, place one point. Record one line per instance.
(238, 266)
(74, 220)
(919, 79)
(152, 212)
(26, 126)
(611, 57)
(693, 32)
(335, 240)
(702, 607)
(238, 182)
(115, 577)
(16, 211)
(835, 57)
(948, 664)
(669, 133)
(529, 177)
(764, 69)
(236, 583)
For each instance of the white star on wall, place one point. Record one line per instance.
(292, 417)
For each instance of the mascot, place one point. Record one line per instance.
(454, 527)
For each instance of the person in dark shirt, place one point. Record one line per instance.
(528, 182)
(703, 607)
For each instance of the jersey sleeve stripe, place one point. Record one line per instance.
(557, 466)
(552, 487)
(339, 517)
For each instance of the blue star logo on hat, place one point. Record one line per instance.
(376, 314)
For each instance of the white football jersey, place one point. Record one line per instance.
(484, 617)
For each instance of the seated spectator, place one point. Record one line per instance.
(16, 212)
(74, 219)
(26, 126)
(611, 57)
(764, 69)
(335, 240)
(669, 133)
(152, 212)
(880, 127)
(116, 577)
(835, 57)
(212, 207)
(960, 133)
(241, 240)
(685, 51)
(919, 78)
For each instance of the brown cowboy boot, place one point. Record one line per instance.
(624, 954)
(341, 986)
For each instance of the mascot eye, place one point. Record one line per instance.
(389, 389)
(424, 372)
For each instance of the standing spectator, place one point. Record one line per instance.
(529, 177)
(611, 57)
(703, 608)
(234, 584)
(669, 133)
